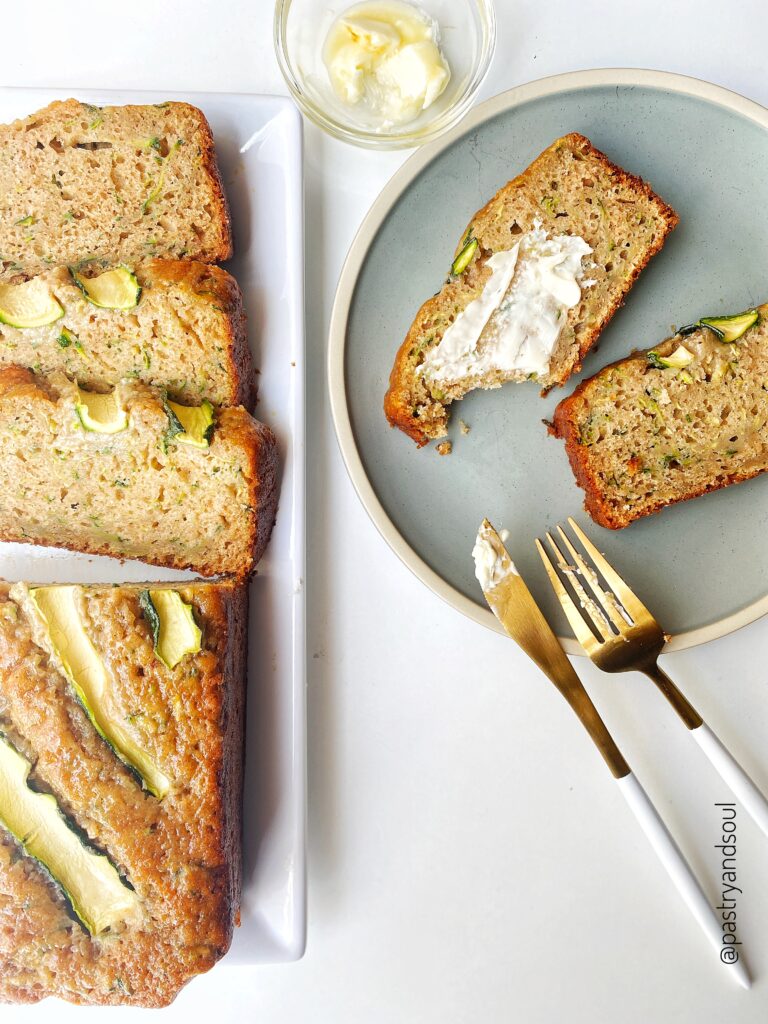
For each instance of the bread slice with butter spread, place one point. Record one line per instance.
(539, 272)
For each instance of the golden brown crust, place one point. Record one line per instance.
(18, 381)
(240, 571)
(422, 424)
(565, 428)
(224, 247)
(230, 778)
(397, 405)
(181, 853)
(264, 477)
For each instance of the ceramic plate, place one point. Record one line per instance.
(259, 148)
(701, 566)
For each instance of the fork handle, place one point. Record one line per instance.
(679, 871)
(723, 761)
(734, 776)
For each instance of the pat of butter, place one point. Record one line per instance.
(385, 55)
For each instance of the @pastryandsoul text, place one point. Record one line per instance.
(729, 954)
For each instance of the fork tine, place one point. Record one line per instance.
(588, 609)
(628, 598)
(581, 630)
(608, 601)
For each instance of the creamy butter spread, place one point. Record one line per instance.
(514, 324)
(385, 54)
(492, 563)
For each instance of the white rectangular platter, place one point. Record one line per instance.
(259, 148)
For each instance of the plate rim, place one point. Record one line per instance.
(337, 332)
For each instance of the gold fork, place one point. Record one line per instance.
(620, 635)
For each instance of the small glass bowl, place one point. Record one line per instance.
(467, 38)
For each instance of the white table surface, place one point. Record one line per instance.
(469, 858)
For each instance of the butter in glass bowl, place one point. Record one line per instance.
(384, 74)
(385, 57)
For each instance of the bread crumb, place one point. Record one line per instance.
(445, 448)
(464, 427)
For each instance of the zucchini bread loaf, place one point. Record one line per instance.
(172, 323)
(113, 183)
(539, 272)
(132, 475)
(113, 889)
(687, 417)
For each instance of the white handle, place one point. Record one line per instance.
(680, 872)
(734, 776)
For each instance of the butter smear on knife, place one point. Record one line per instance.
(492, 561)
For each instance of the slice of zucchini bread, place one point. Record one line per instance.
(662, 426)
(539, 272)
(171, 323)
(132, 475)
(113, 183)
(111, 892)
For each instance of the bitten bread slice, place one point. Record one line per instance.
(187, 334)
(641, 435)
(115, 183)
(139, 492)
(181, 854)
(570, 189)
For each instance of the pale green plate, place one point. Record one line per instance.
(700, 566)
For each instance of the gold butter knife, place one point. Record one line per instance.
(513, 605)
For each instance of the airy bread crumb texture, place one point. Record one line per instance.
(115, 183)
(137, 493)
(640, 438)
(181, 854)
(187, 334)
(571, 188)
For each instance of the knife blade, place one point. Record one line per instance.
(512, 603)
